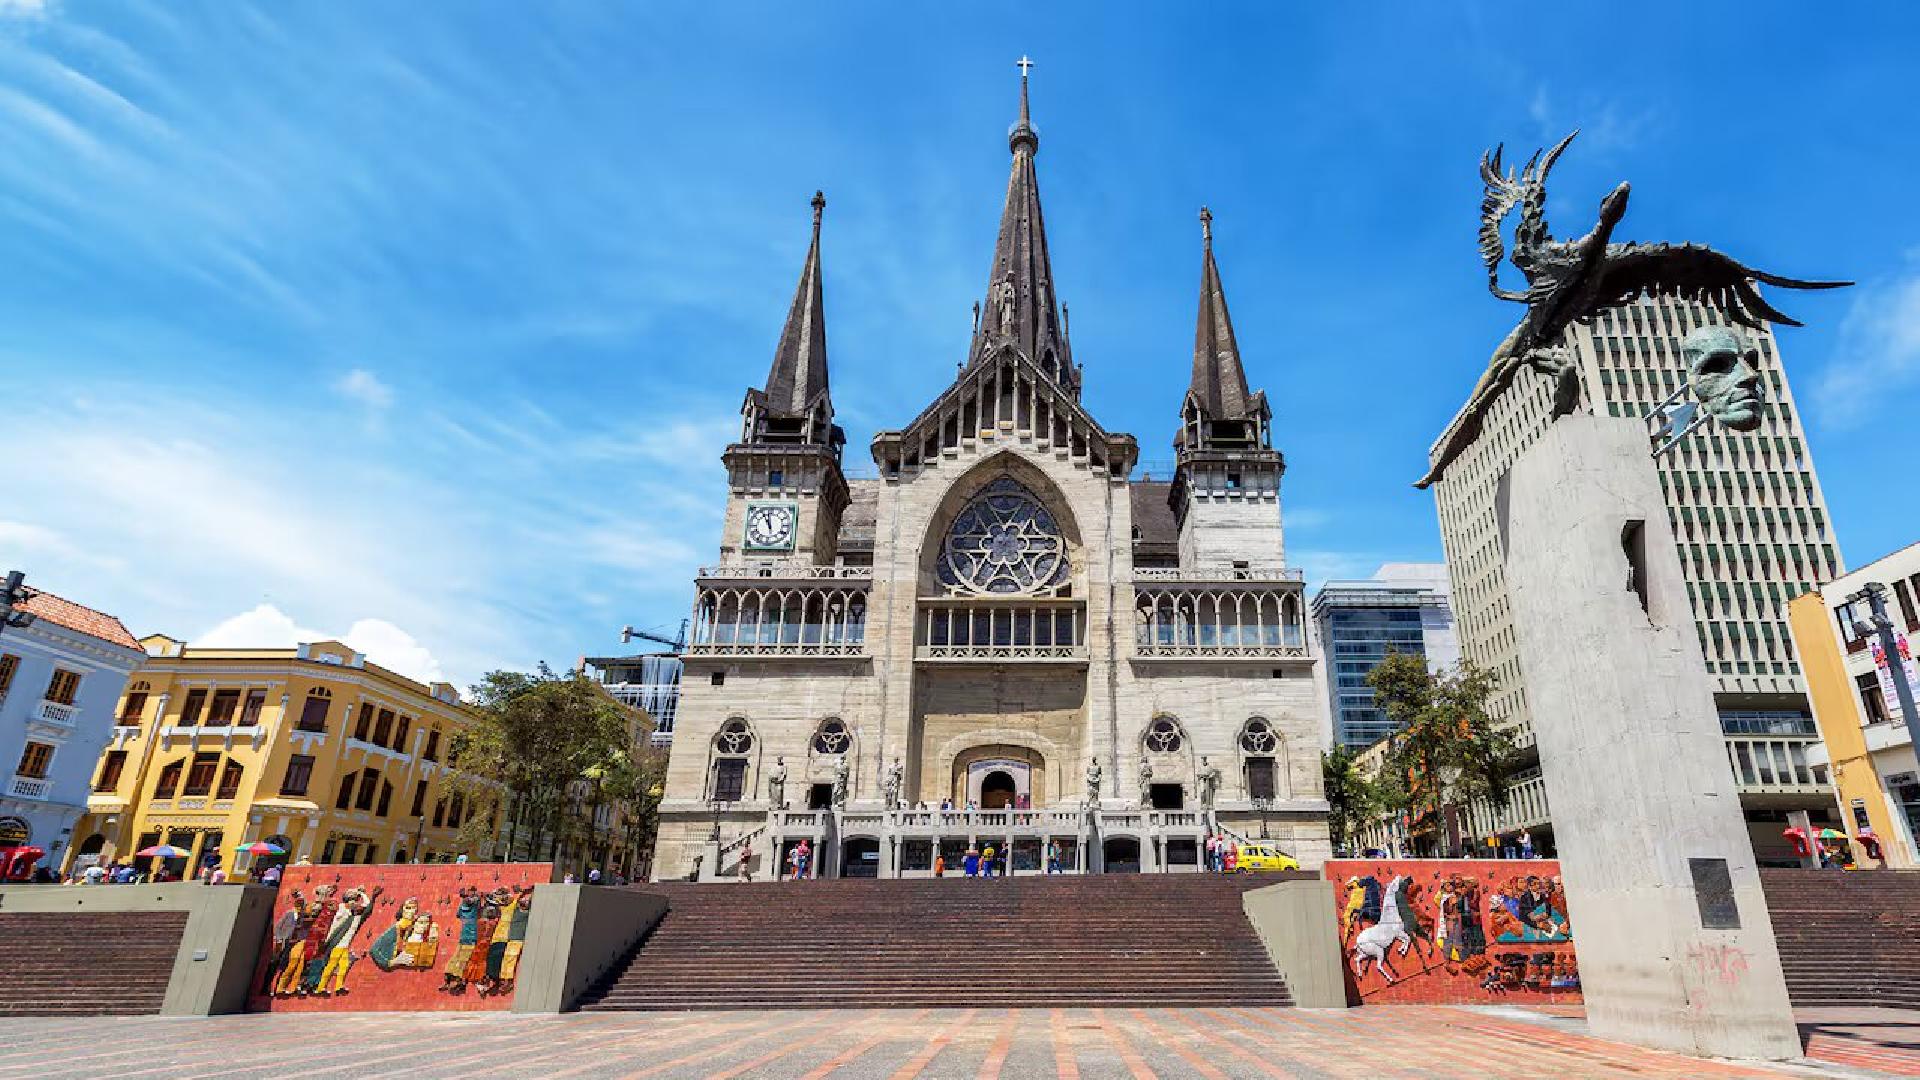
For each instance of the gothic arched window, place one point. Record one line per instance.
(1003, 542)
(832, 738)
(1163, 735)
(735, 738)
(1258, 737)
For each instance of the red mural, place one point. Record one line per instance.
(1454, 930)
(443, 937)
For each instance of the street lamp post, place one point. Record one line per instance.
(11, 593)
(1263, 805)
(1874, 595)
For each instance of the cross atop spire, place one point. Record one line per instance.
(1023, 131)
(1206, 227)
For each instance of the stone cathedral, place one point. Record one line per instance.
(1002, 638)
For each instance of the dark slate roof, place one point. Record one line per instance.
(799, 372)
(1153, 522)
(1219, 380)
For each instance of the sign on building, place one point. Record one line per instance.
(1889, 691)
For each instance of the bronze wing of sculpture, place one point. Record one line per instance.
(1574, 280)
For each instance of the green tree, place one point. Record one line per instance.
(1447, 751)
(1350, 796)
(548, 750)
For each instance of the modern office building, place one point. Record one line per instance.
(1865, 741)
(1752, 530)
(1403, 608)
(649, 681)
(60, 675)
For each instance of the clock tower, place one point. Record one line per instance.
(787, 490)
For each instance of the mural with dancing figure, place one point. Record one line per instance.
(1454, 930)
(390, 938)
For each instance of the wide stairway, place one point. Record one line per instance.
(87, 963)
(1152, 939)
(1847, 938)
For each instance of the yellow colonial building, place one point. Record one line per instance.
(1863, 734)
(311, 749)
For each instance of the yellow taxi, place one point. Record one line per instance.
(1260, 856)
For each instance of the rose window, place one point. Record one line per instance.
(734, 737)
(1258, 738)
(1163, 736)
(1003, 542)
(832, 738)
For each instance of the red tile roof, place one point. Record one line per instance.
(77, 617)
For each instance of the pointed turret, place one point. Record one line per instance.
(1219, 411)
(796, 406)
(1226, 476)
(1021, 308)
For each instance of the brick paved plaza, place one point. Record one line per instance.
(1378, 1041)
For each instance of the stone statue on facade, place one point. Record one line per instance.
(1003, 295)
(777, 784)
(1146, 781)
(1093, 782)
(1569, 281)
(890, 784)
(840, 775)
(1209, 782)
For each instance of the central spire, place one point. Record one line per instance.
(1021, 309)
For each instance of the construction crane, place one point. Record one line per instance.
(678, 643)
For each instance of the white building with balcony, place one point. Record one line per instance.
(1002, 636)
(60, 676)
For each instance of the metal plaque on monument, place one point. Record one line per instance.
(1676, 948)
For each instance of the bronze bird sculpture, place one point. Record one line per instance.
(1573, 280)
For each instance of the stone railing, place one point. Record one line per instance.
(1000, 652)
(1215, 575)
(1526, 808)
(53, 712)
(791, 571)
(1219, 652)
(777, 648)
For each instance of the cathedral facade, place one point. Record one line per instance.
(1002, 638)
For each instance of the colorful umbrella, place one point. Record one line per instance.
(163, 851)
(261, 847)
(1832, 834)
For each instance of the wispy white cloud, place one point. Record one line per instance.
(22, 9)
(365, 387)
(1878, 355)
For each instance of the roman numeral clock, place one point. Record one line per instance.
(770, 526)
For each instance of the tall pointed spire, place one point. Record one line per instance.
(1219, 409)
(795, 406)
(1021, 308)
(799, 372)
(1219, 382)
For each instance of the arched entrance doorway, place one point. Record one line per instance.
(1121, 854)
(997, 790)
(860, 857)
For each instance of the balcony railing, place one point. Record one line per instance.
(1775, 764)
(1526, 808)
(1207, 575)
(788, 571)
(1218, 651)
(988, 630)
(53, 712)
(29, 787)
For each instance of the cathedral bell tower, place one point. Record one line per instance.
(1226, 485)
(788, 491)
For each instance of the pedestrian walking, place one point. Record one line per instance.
(986, 862)
(970, 862)
(1053, 856)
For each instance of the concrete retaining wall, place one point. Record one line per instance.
(1296, 922)
(576, 934)
(215, 962)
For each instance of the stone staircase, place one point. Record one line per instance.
(1067, 941)
(1847, 938)
(87, 963)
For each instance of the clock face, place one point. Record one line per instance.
(770, 526)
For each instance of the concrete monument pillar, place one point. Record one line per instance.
(1676, 948)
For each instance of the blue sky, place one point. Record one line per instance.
(424, 324)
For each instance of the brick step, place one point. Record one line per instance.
(1022, 1000)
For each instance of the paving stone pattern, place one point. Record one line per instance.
(1084, 1044)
